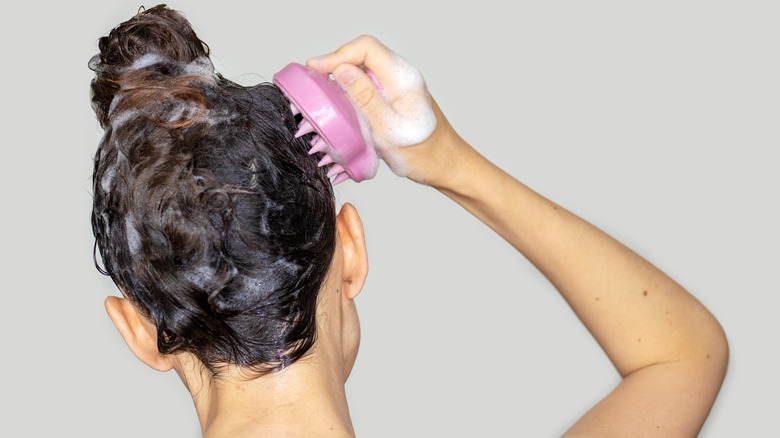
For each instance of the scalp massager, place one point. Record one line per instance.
(327, 111)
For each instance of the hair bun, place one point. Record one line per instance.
(158, 41)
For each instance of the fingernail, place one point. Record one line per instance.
(315, 59)
(344, 76)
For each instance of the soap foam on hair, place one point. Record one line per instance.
(201, 66)
(200, 275)
(146, 60)
(133, 237)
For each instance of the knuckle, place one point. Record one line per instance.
(368, 40)
(363, 96)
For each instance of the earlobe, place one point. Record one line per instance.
(139, 334)
(353, 247)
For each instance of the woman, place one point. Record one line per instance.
(222, 235)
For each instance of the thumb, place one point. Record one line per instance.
(360, 88)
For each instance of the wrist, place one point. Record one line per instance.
(450, 169)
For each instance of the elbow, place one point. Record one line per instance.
(703, 349)
(719, 347)
(713, 367)
(711, 353)
(707, 340)
(716, 344)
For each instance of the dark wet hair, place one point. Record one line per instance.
(207, 211)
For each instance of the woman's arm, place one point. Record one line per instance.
(670, 351)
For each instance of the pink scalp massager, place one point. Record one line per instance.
(326, 110)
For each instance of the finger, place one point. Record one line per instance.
(361, 90)
(354, 52)
(364, 50)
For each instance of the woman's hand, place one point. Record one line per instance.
(403, 121)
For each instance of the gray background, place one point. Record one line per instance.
(656, 121)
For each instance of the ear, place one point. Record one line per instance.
(353, 248)
(139, 334)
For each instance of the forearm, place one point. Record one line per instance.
(638, 314)
(670, 350)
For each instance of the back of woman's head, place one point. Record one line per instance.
(207, 211)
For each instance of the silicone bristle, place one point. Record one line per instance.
(318, 145)
(304, 128)
(335, 170)
(341, 178)
(325, 161)
(329, 122)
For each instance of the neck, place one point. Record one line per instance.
(305, 399)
